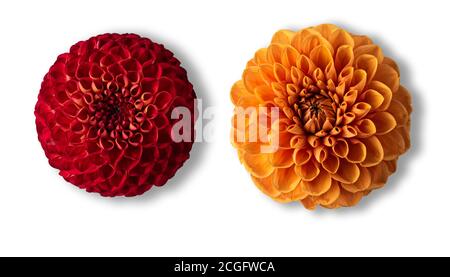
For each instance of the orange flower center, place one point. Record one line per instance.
(316, 111)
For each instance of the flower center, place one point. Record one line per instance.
(316, 112)
(111, 110)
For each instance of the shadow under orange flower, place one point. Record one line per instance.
(103, 114)
(343, 121)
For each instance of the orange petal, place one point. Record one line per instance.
(399, 112)
(331, 195)
(279, 90)
(319, 185)
(373, 98)
(365, 128)
(348, 199)
(369, 64)
(320, 153)
(295, 195)
(289, 57)
(282, 158)
(305, 65)
(237, 91)
(305, 40)
(393, 144)
(283, 37)
(321, 56)
(370, 49)
(318, 74)
(404, 132)
(361, 109)
(314, 141)
(284, 139)
(295, 129)
(301, 156)
(252, 78)
(391, 165)
(281, 73)
(335, 131)
(264, 93)
(340, 37)
(251, 62)
(274, 52)
(329, 141)
(359, 80)
(350, 97)
(347, 173)
(237, 137)
(384, 122)
(392, 64)
(361, 184)
(261, 56)
(240, 141)
(357, 152)
(308, 171)
(345, 78)
(375, 151)
(285, 179)
(384, 90)
(349, 132)
(387, 75)
(361, 40)
(266, 72)
(380, 174)
(331, 164)
(279, 137)
(403, 96)
(331, 74)
(297, 141)
(326, 30)
(265, 185)
(341, 148)
(309, 203)
(258, 164)
(248, 101)
(296, 74)
(344, 57)
(240, 122)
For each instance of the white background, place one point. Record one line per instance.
(211, 207)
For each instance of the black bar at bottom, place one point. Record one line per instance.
(206, 266)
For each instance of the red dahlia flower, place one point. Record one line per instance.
(103, 114)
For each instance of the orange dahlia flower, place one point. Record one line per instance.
(343, 120)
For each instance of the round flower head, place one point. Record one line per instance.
(320, 117)
(103, 114)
